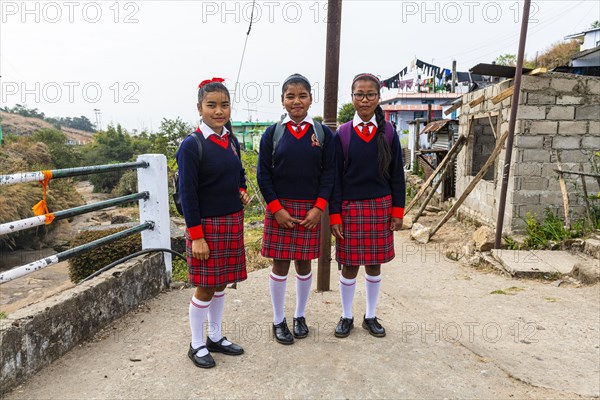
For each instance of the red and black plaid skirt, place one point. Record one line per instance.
(298, 243)
(227, 259)
(368, 239)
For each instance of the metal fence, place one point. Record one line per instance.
(153, 203)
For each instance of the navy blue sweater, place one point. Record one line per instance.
(300, 170)
(210, 187)
(361, 180)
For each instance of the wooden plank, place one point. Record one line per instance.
(563, 189)
(490, 161)
(426, 162)
(503, 95)
(585, 197)
(477, 101)
(432, 192)
(455, 149)
(492, 126)
(538, 71)
(453, 108)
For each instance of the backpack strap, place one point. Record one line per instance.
(195, 136)
(389, 133)
(345, 132)
(320, 133)
(279, 130)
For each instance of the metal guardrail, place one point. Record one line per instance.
(153, 210)
(65, 255)
(67, 172)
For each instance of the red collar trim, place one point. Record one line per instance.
(366, 139)
(297, 135)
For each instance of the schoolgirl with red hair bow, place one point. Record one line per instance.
(212, 187)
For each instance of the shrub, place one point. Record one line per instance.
(84, 265)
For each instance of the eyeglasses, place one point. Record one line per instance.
(361, 96)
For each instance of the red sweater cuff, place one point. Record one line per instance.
(335, 219)
(321, 203)
(196, 232)
(397, 212)
(243, 190)
(274, 206)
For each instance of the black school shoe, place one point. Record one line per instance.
(374, 327)
(282, 333)
(218, 347)
(343, 327)
(300, 328)
(201, 362)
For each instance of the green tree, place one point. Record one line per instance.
(595, 24)
(170, 134)
(110, 147)
(509, 60)
(318, 118)
(63, 155)
(346, 113)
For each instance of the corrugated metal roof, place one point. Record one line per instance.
(436, 125)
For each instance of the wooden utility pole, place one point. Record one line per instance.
(332, 64)
(514, 106)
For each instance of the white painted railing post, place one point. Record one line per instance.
(153, 179)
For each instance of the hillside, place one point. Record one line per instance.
(25, 126)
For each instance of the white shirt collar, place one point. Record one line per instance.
(357, 121)
(207, 131)
(307, 119)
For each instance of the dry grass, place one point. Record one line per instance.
(16, 200)
(253, 241)
(19, 125)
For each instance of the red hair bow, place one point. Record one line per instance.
(206, 81)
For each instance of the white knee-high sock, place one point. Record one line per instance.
(372, 283)
(215, 318)
(277, 286)
(303, 284)
(198, 312)
(347, 288)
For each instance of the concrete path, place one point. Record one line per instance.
(448, 336)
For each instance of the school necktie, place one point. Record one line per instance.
(365, 128)
(299, 126)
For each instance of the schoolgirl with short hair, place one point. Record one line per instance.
(295, 175)
(367, 203)
(212, 187)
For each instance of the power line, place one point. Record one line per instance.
(237, 80)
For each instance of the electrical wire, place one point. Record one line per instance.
(237, 80)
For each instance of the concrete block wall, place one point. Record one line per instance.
(558, 114)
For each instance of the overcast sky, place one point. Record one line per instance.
(141, 61)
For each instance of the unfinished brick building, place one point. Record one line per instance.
(558, 119)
